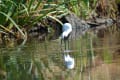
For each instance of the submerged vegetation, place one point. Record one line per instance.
(19, 16)
(43, 61)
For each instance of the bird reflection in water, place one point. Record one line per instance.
(66, 31)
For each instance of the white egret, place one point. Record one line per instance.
(69, 61)
(66, 30)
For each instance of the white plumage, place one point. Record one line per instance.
(66, 30)
(69, 61)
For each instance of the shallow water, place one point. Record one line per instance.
(97, 57)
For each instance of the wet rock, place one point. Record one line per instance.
(98, 22)
(79, 26)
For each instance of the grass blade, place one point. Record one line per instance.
(13, 23)
(6, 29)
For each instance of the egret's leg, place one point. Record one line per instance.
(68, 44)
(65, 44)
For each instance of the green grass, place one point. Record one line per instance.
(24, 14)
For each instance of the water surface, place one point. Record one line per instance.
(97, 57)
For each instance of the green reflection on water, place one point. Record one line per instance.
(44, 61)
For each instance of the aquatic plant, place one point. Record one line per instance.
(24, 14)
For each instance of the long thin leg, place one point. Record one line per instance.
(68, 44)
(65, 44)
